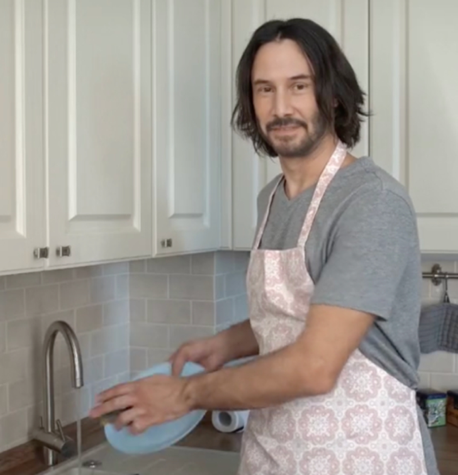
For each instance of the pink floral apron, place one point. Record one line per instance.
(367, 425)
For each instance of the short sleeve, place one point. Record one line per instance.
(374, 240)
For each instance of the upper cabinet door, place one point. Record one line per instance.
(348, 22)
(98, 129)
(187, 118)
(22, 217)
(414, 130)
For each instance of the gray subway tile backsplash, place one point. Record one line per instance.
(169, 265)
(3, 400)
(192, 287)
(144, 286)
(74, 294)
(204, 263)
(12, 304)
(203, 313)
(89, 318)
(145, 335)
(173, 312)
(41, 300)
(20, 281)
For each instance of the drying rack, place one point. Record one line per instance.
(437, 275)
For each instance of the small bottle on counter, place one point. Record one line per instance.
(433, 404)
(452, 407)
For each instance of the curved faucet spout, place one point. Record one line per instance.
(76, 360)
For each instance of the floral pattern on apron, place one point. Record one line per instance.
(367, 425)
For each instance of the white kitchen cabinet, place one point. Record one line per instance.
(414, 130)
(187, 125)
(98, 59)
(348, 22)
(22, 224)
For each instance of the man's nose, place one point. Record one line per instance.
(282, 104)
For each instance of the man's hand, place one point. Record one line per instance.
(208, 352)
(212, 353)
(147, 402)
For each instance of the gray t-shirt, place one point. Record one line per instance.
(362, 253)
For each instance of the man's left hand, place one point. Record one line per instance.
(145, 403)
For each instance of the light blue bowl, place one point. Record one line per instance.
(161, 436)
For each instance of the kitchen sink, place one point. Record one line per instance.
(104, 460)
(83, 471)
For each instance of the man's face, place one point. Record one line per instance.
(284, 100)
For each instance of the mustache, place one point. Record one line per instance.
(284, 122)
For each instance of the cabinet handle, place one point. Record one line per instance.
(166, 242)
(41, 252)
(63, 251)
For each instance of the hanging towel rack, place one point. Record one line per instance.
(437, 275)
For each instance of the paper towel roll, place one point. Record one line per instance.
(230, 421)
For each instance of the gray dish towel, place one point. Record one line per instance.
(439, 328)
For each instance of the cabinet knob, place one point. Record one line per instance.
(41, 252)
(166, 242)
(63, 251)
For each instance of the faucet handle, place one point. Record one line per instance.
(60, 429)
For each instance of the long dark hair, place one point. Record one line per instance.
(334, 79)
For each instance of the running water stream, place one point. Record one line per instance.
(78, 427)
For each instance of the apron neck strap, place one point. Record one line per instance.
(329, 172)
(266, 214)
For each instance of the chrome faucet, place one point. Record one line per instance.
(55, 441)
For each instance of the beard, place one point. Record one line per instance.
(291, 147)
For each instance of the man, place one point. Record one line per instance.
(334, 286)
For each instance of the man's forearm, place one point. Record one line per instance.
(269, 380)
(239, 341)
